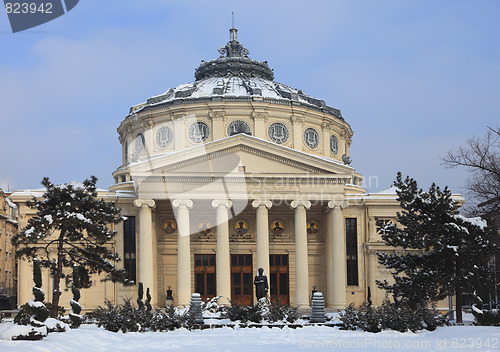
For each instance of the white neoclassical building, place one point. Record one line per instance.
(234, 172)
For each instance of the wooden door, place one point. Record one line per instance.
(241, 279)
(278, 265)
(204, 273)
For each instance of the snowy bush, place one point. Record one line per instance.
(390, 316)
(211, 305)
(482, 316)
(282, 313)
(349, 318)
(113, 318)
(126, 318)
(261, 311)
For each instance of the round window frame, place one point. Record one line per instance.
(204, 138)
(286, 129)
(169, 141)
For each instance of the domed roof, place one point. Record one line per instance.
(235, 77)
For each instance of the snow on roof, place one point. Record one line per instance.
(11, 203)
(390, 190)
(38, 192)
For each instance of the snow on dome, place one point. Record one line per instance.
(235, 75)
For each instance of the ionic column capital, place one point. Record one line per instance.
(338, 204)
(297, 119)
(258, 202)
(296, 203)
(178, 202)
(222, 203)
(144, 202)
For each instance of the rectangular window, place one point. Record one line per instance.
(129, 260)
(351, 231)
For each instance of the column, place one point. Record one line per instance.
(339, 254)
(371, 274)
(183, 251)
(222, 258)
(217, 124)
(262, 207)
(298, 133)
(147, 268)
(326, 139)
(329, 258)
(301, 256)
(179, 131)
(260, 119)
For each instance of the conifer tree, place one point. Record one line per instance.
(140, 294)
(444, 251)
(74, 315)
(34, 312)
(71, 227)
(38, 309)
(148, 301)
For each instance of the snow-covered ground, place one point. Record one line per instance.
(313, 338)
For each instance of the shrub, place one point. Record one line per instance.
(261, 311)
(282, 313)
(399, 317)
(126, 318)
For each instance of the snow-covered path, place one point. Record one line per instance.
(313, 338)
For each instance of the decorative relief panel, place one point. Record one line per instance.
(240, 231)
(278, 230)
(205, 231)
(311, 138)
(198, 132)
(164, 136)
(278, 133)
(238, 126)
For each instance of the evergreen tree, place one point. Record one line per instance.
(74, 315)
(40, 312)
(444, 251)
(71, 227)
(140, 294)
(34, 312)
(148, 301)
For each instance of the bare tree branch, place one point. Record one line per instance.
(481, 156)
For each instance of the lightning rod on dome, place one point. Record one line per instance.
(233, 32)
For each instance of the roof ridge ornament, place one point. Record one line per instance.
(233, 48)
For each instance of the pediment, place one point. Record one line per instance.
(240, 153)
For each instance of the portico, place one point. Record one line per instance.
(241, 213)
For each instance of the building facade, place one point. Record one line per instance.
(231, 173)
(8, 270)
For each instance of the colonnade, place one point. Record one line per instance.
(336, 271)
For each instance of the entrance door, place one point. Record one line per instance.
(279, 278)
(241, 279)
(204, 271)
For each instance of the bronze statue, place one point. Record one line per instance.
(261, 286)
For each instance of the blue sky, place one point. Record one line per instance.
(414, 79)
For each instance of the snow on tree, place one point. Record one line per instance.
(71, 227)
(74, 315)
(444, 252)
(37, 307)
(34, 313)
